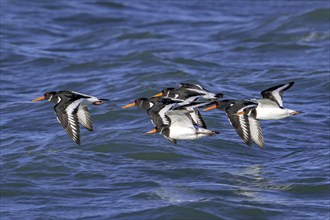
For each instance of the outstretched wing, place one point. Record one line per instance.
(197, 118)
(162, 113)
(191, 86)
(194, 112)
(276, 93)
(256, 132)
(84, 117)
(179, 118)
(241, 125)
(69, 119)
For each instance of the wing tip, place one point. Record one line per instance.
(262, 147)
(290, 84)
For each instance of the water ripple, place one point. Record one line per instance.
(123, 51)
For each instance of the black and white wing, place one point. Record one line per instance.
(163, 115)
(256, 132)
(197, 118)
(200, 91)
(158, 109)
(67, 116)
(194, 113)
(156, 119)
(248, 128)
(79, 95)
(241, 125)
(179, 119)
(276, 93)
(84, 117)
(192, 86)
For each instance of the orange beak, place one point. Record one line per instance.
(152, 131)
(39, 99)
(158, 94)
(129, 105)
(210, 108)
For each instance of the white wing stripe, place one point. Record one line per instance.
(244, 127)
(276, 93)
(197, 90)
(255, 130)
(78, 93)
(70, 109)
(163, 111)
(73, 106)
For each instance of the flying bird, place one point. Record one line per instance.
(187, 90)
(247, 127)
(71, 109)
(270, 107)
(245, 115)
(181, 127)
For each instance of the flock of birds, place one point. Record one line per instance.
(175, 112)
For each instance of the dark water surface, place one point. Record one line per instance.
(123, 50)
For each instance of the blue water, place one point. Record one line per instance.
(123, 50)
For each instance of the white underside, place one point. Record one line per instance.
(187, 133)
(182, 128)
(268, 110)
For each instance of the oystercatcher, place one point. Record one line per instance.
(71, 109)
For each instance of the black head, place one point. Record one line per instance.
(142, 103)
(49, 96)
(224, 104)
